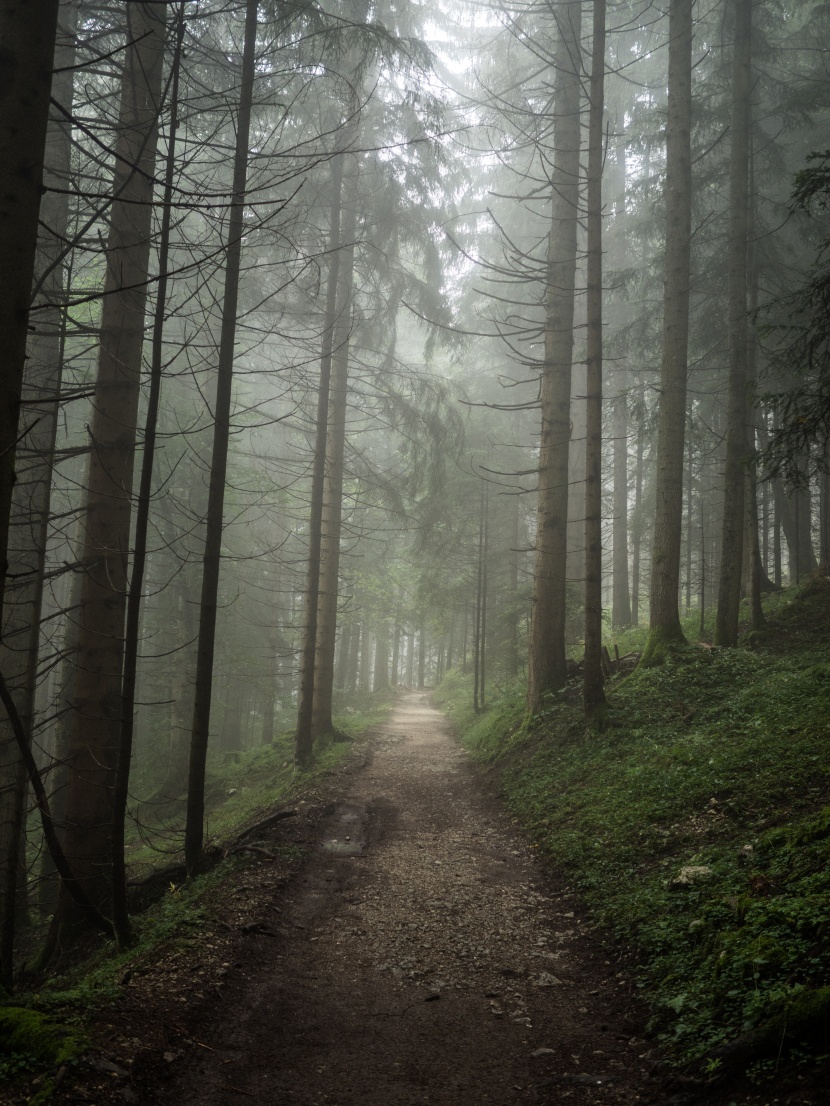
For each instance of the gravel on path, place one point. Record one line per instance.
(418, 957)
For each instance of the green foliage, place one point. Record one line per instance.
(31, 1041)
(716, 762)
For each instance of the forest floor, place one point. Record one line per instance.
(417, 954)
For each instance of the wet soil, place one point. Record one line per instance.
(396, 943)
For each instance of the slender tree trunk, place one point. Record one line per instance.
(664, 619)
(484, 563)
(729, 591)
(690, 511)
(194, 829)
(365, 661)
(593, 693)
(621, 596)
(357, 645)
(422, 650)
(343, 655)
(396, 646)
(410, 658)
(547, 668)
(477, 625)
(120, 919)
(637, 538)
(96, 723)
(381, 677)
(511, 659)
(304, 738)
(329, 577)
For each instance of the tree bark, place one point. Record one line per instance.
(332, 512)
(304, 737)
(593, 692)
(729, 591)
(546, 657)
(29, 515)
(27, 35)
(381, 675)
(194, 829)
(120, 919)
(511, 658)
(664, 619)
(95, 731)
(621, 593)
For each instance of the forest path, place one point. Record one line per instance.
(418, 957)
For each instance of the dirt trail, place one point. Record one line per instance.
(418, 958)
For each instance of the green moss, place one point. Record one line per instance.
(661, 642)
(32, 1042)
(717, 759)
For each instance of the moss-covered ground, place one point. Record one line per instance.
(696, 826)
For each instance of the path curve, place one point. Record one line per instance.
(419, 958)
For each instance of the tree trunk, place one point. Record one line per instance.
(95, 732)
(422, 650)
(29, 516)
(637, 537)
(593, 693)
(27, 32)
(729, 591)
(120, 918)
(664, 619)
(621, 593)
(396, 646)
(304, 738)
(365, 662)
(511, 657)
(381, 677)
(194, 829)
(546, 657)
(410, 658)
(343, 655)
(329, 577)
(358, 634)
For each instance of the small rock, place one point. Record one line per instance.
(545, 979)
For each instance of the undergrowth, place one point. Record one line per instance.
(697, 826)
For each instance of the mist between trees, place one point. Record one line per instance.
(349, 345)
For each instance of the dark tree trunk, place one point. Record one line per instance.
(120, 919)
(96, 724)
(332, 514)
(304, 739)
(27, 32)
(593, 692)
(546, 658)
(33, 479)
(729, 591)
(422, 650)
(194, 829)
(381, 676)
(664, 620)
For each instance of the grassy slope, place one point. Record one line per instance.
(718, 761)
